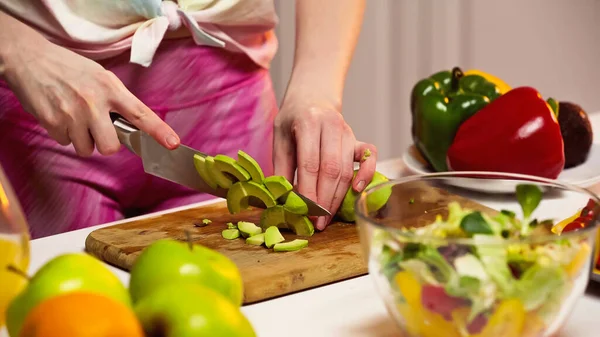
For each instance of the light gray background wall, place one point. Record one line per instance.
(552, 45)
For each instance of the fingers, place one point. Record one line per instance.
(138, 114)
(367, 166)
(105, 135)
(284, 154)
(82, 140)
(329, 171)
(308, 142)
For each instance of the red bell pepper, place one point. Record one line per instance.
(516, 133)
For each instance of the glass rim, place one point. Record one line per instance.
(360, 205)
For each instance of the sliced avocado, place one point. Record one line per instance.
(299, 224)
(256, 240)
(273, 216)
(248, 229)
(251, 166)
(220, 179)
(277, 185)
(231, 225)
(294, 204)
(228, 165)
(240, 192)
(290, 246)
(273, 236)
(230, 234)
(205, 174)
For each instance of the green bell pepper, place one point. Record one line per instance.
(440, 104)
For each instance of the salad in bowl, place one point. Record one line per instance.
(448, 265)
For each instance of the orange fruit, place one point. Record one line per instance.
(81, 314)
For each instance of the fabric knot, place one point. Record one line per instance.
(169, 10)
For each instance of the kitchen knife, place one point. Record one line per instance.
(178, 165)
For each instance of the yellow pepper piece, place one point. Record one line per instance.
(507, 320)
(579, 259)
(557, 228)
(534, 326)
(502, 86)
(410, 288)
(418, 320)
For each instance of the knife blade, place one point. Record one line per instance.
(178, 165)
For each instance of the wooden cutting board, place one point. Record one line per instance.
(332, 255)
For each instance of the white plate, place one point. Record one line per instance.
(585, 175)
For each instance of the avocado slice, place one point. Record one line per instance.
(231, 225)
(273, 216)
(277, 185)
(251, 166)
(219, 178)
(228, 165)
(240, 192)
(290, 246)
(256, 240)
(248, 229)
(200, 164)
(230, 234)
(294, 204)
(299, 224)
(273, 236)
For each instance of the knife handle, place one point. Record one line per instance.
(128, 134)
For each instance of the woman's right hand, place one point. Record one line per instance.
(71, 96)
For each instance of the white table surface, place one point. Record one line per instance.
(350, 308)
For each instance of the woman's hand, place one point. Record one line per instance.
(313, 138)
(71, 96)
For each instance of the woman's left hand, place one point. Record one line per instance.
(311, 136)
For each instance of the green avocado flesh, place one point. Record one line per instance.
(273, 236)
(240, 192)
(219, 178)
(375, 200)
(256, 240)
(248, 229)
(294, 204)
(290, 246)
(230, 234)
(251, 166)
(274, 216)
(226, 164)
(299, 224)
(277, 185)
(205, 174)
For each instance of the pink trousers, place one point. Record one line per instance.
(217, 102)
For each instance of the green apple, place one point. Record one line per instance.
(169, 261)
(375, 200)
(63, 274)
(191, 310)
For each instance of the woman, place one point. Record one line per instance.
(192, 72)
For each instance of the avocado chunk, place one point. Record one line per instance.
(277, 185)
(294, 204)
(220, 179)
(299, 224)
(375, 200)
(231, 225)
(230, 234)
(290, 246)
(200, 164)
(239, 194)
(228, 165)
(273, 216)
(248, 229)
(273, 236)
(256, 240)
(251, 166)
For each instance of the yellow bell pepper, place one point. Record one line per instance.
(502, 86)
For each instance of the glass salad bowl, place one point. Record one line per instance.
(449, 261)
